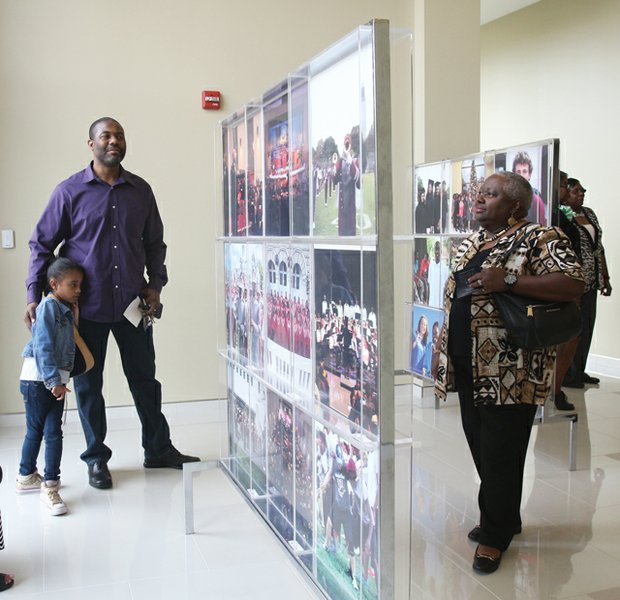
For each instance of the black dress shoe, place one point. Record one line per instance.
(485, 563)
(591, 380)
(474, 534)
(99, 475)
(171, 459)
(561, 402)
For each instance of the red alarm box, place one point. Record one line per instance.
(211, 100)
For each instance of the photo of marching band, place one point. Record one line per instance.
(343, 161)
(346, 334)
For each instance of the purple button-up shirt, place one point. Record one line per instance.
(113, 231)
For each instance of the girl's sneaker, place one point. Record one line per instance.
(28, 483)
(51, 498)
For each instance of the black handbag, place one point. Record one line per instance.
(531, 323)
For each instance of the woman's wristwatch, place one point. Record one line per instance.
(510, 279)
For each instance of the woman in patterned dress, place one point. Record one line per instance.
(500, 385)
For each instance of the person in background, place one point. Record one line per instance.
(48, 362)
(565, 351)
(592, 255)
(107, 220)
(475, 358)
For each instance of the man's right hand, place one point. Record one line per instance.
(30, 315)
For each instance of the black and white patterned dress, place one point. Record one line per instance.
(503, 373)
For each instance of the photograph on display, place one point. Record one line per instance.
(236, 286)
(258, 437)
(364, 405)
(431, 210)
(425, 253)
(275, 118)
(437, 272)
(531, 162)
(347, 515)
(239, 430)
(225, 182)
(280, 459)
(299, 158)
(343, 149)
(289, 328)
(426, 324)
(255, 176)
(237, 145)
(341, 331)
(467, 178)
(304, 484)
(254, 266)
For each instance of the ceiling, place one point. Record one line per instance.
(495, 9)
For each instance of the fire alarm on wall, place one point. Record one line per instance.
(211, 100)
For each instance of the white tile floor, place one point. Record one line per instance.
(128, 543)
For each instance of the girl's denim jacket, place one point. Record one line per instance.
(52, 344)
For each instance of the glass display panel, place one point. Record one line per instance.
(453, 187)
(302, 313)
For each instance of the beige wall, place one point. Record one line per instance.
(551, 70)
(145, 62)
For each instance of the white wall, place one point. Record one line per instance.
(145, 62)
(551, 70)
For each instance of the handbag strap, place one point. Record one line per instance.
(89, 360)
(519, 236)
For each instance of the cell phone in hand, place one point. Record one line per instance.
(157, 313)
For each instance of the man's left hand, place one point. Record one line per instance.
(151, 299)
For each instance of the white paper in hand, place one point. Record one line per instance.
(133, 313)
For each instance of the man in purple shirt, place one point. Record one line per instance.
(106, 219)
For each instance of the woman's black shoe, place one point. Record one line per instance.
(590, 380)
(485, 563)
(474, 534)
(562, 403)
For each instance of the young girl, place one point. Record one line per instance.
(48, 360)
